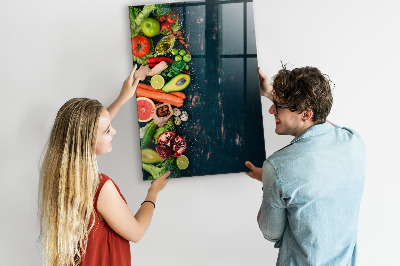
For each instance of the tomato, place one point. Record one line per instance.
(162, 18)
(165, 27)
(140, 46)
(171, 18)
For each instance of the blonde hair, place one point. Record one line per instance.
(68, 182)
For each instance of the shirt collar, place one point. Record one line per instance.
(314, 131)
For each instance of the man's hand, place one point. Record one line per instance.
(265, 87)
(255, 172)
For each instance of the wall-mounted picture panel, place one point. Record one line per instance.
(198, 100)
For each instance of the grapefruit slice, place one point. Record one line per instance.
(145, 108)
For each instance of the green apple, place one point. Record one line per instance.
(150, 27)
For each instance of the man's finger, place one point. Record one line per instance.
(249, 174)
(260, 73)
(249, 165)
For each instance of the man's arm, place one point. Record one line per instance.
(272, 216)
(266, 88)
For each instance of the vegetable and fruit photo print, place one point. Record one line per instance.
(198, 100)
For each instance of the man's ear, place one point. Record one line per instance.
(307, 115)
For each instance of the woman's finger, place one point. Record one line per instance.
(133, 71)
(164, 176)
(136, 82)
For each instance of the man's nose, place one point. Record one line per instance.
(272, 110)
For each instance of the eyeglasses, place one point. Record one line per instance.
(279, 106)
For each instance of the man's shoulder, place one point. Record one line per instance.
(282, 158)
(315, 144)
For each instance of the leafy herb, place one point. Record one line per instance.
(174, 68)
(163, 9)
(169, 126)
(147, 9)
(133, 13)
(175, 26)
(136, 17)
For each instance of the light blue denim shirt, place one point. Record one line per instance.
(311, 197)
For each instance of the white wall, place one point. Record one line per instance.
(51, 51)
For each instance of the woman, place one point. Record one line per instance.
(84, 219)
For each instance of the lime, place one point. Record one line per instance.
(157, 82)
(182, 162)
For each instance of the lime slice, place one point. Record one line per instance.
(182, 162)
(157, 82)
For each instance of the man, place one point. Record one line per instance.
(312, 187)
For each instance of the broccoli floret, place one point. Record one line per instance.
(169, 126)
(158, 170)
(163, 9)
(170, 165)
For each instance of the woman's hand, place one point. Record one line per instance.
(127, 92)
(265, 87)
(158, 184)
(129, 86)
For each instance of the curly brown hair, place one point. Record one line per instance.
(304, 88)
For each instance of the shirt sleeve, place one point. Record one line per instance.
(273, 217)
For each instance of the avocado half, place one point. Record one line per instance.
(177, 83)
(151, 156)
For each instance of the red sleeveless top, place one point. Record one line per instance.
(105, 247)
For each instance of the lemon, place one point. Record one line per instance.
(182, 162)
(157, 82)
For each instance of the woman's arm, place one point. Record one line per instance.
(127, 92)
(119, 217)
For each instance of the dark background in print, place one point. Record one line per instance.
(225, 126)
